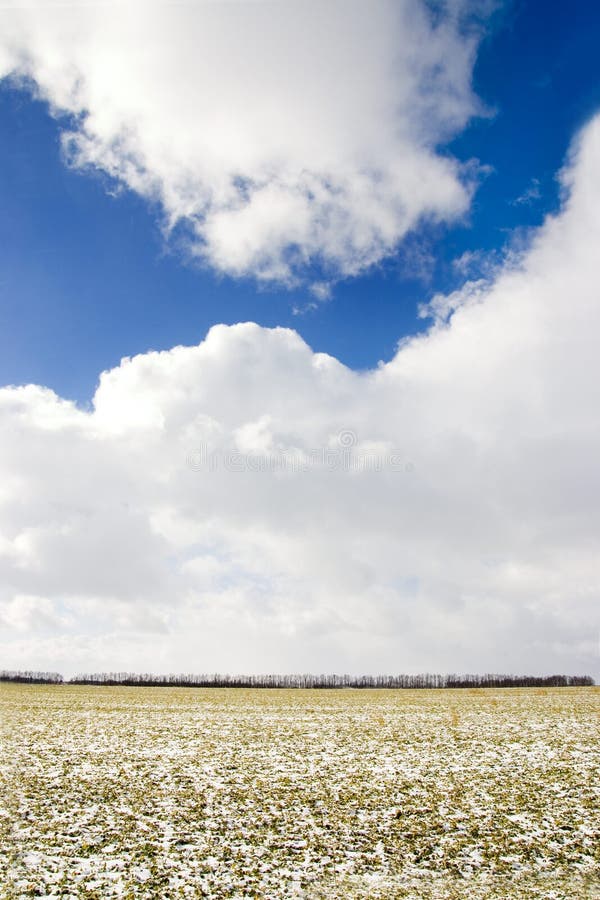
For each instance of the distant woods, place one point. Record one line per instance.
(32, 677)
(303, 681)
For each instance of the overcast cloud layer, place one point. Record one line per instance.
(127, 541)
(279, 136)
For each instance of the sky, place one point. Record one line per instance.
(299, 329)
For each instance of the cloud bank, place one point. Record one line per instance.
(123, 546)
(278, 139)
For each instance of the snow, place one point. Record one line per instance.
(152, 792)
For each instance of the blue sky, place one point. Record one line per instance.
(86, 277)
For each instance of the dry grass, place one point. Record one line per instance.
(173, 793)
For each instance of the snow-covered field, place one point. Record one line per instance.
(167, 793)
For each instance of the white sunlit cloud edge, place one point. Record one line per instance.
(273, 152)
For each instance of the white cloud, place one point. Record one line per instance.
(529, 196)
(484, 556)
(26, 614)
(280, 135)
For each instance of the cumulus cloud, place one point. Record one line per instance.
(280, 137)
(200, 515)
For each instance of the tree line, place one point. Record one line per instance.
(425, 680)
(28, 677)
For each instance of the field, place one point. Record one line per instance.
(174, 793)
